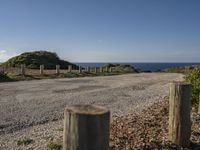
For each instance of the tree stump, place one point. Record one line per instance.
(179, 113)
(86, 127)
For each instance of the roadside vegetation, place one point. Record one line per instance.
(192, 75)
(33, 74)
(194, 78)
(24, 142)
(10, 70)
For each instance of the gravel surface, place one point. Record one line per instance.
(29, 103)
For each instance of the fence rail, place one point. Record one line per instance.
(23, 70)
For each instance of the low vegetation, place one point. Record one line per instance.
(34, 59)
(54, 145)
(125, 68)
(13, 74)
(194, 78)
(24, 142)
(5, 78)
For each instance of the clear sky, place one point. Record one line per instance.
(102, 30)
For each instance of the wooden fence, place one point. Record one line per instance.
(86, 127)
(23, 70)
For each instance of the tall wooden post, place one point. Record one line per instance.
(86, 127)
(70, 68)
(41, 69)
(179, 113)
(57, 69)
(22, 72)
(80, 69)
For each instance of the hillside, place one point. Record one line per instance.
(33, 60)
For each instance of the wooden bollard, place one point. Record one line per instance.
(41, 69)
(110, 69)
(88, 69)
(86, 127)
(22, 72)
(179, 113)
(95, 69)
(70, 68)
(101, 69)
(106, 69)
(80, 69)
(57, 69)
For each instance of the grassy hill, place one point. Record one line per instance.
(33, 60)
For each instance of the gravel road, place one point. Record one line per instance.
(28, 103)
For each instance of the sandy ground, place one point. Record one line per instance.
(28, 103)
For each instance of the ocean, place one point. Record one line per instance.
(143, 66)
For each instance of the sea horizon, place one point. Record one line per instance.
(144, 66)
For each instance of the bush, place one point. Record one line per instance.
(194, 78)
(25, 141)
(33, 60)
(4, 78)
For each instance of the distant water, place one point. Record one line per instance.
(143, 66)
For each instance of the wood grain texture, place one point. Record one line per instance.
(86, 127)
(179, 113)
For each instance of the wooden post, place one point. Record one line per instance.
(57, 69)
(86, 127)
(88, 69)
(80, 69)
(106, 69)
(95, 69)
(110, 69)
(179, 113)
(101, 69)
(41, 69)
(70, 68)
(22, 72)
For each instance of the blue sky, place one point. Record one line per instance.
(102, 30)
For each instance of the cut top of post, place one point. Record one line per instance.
(87, 109)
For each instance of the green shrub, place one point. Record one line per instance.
(33, 60)
(4, 78)
(55, 145)
(194, 78)
(25, 141)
